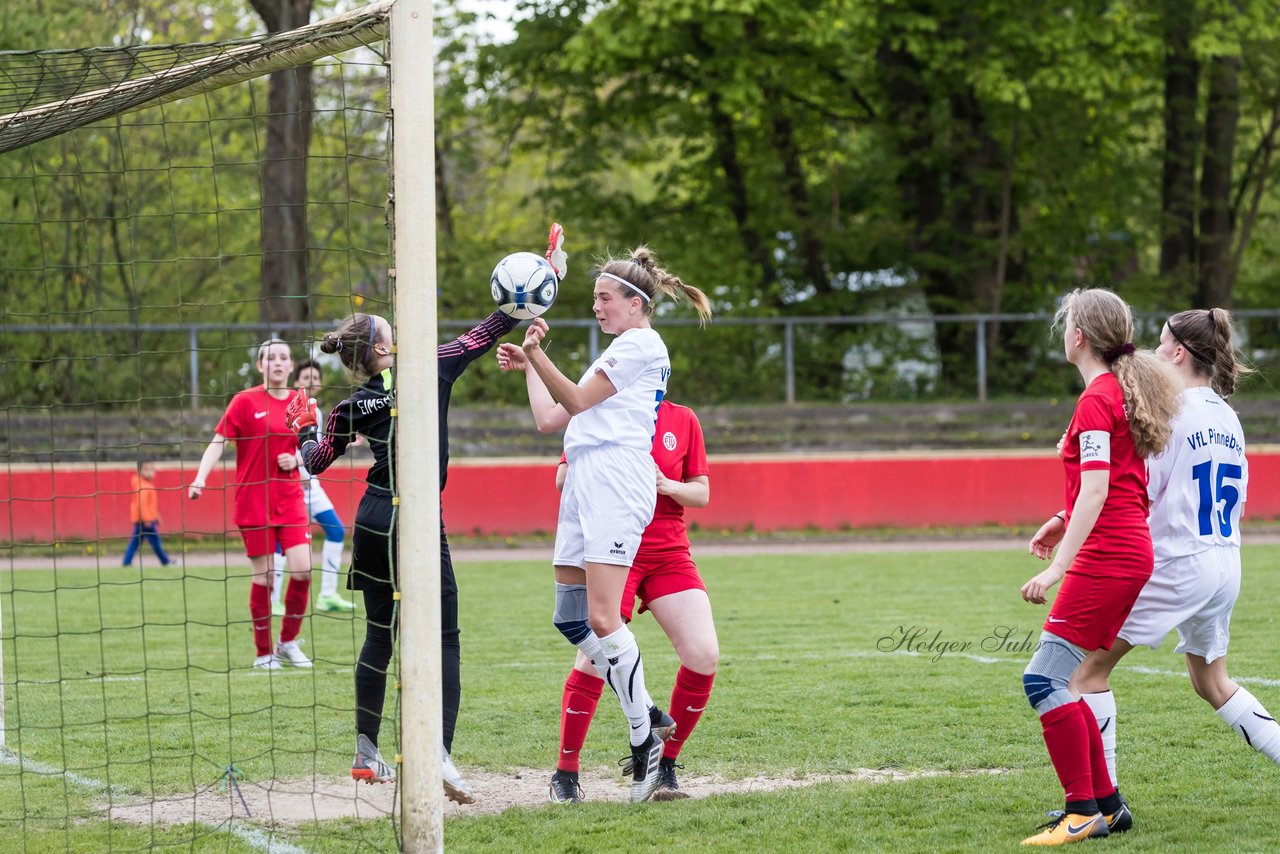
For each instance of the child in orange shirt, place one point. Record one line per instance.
(144, 514)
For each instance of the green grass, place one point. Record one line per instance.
(807, 685)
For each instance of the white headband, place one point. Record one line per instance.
(625, 282)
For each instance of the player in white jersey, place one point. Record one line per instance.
(307, 379)
(611, 488)
(1197, 488)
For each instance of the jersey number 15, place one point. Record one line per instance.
(1217, 498)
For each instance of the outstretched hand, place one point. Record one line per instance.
(556, 256)
(534, 334)
(301, 413)
(511, 357)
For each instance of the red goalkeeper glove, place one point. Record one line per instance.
(556, 257)
(301, 413)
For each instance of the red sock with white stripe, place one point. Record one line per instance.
(1067, 737)
(688, 700)
(577, 706)
(296, 598)
(260, 614)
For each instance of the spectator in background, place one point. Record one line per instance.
(145, 514)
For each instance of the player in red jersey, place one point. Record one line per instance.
(1104, 553)
(270, 509)
(666, 579)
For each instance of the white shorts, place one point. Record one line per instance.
(1193, 594)
(609, 496)
(317, 500)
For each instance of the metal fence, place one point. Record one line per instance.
(782, 330)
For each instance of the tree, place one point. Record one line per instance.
(290, 103)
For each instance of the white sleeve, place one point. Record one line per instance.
(625, 360)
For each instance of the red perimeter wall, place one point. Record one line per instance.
(57, 502)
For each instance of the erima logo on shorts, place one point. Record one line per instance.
(617, 549)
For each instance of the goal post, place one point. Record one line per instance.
(418, 459)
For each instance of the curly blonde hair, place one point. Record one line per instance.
(1151, 388)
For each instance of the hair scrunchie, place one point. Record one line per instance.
(1114, 353)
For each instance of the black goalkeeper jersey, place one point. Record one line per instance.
(367, 412)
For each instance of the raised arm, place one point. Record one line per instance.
(549, 416)
(455, 355)
(574, 398)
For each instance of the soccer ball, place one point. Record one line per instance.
(524, 285)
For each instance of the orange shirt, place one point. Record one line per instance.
(143, 505)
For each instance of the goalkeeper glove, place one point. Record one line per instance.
(301, 415)
(556, 256)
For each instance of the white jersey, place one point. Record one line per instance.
(1199, 484)
(637, 365)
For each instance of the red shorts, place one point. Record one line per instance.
(654, 575)
(262, 540)
(1090, 609)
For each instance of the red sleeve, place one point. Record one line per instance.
(1095, 414)
(695, 462)
(564, 458)
(229, 425)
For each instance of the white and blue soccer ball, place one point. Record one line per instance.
(524, 285)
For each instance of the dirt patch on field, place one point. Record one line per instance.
(300, 801)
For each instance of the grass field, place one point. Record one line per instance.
(813, 681)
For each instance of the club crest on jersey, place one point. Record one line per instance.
(669, 440)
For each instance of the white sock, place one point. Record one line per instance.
(590, 647)
(647, 700)
(330, 561)
(626, 676)
(1244, 714)
(277, 582)
(1103, 706)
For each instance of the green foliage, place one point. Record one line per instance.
(779, 155)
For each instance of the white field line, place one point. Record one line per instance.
(262, 841)
(980, 659)
(250, 835)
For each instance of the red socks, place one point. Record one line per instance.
(577, 706)
(1066, 734)
(1102, 785)
(688, 700)
(260, 614)
(296, 598)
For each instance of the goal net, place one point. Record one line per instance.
(153, 234)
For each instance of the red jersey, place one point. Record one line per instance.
(1099, 439)
(679, 451)
(265, 493)
(680, 454)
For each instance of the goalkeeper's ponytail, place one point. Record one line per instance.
(353, 341)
